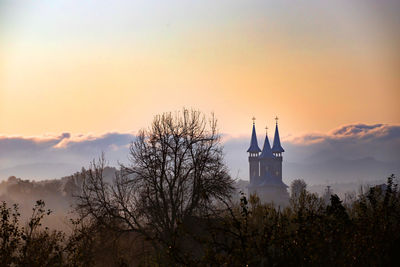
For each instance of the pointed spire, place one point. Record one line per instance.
(277, 148)
(266, 152)
(253, 143)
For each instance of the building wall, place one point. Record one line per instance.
(271, 165)
(268, 193)
(254, 169)
(278, 167)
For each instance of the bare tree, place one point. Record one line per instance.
(176, 172)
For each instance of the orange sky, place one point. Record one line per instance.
(99, 68)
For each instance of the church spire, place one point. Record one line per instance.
(277, 148)
(253, 143)
(266, 152)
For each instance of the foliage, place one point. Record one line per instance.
(10, 234)
(310, 233)
(306, 233)
(33, 245)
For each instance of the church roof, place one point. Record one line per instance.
(266, 152)
(253, 143)
(273, 182)
(268, 180)
(277, 148)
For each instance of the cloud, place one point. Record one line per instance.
(379, 143)
(13, 145)
(64, 148)
(352, 132)
(88, 142)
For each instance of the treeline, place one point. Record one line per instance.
(307, 233)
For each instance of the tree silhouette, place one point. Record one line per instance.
(176, 171)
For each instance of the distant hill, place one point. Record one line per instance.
(340, 170)
(59, 195)
(39, 171)
(314, 171)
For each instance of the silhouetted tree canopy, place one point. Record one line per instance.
(308, 232)
(176, 171)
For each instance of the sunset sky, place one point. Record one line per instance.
(94, 67)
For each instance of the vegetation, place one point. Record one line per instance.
(307, 232)
(33, 245)
(310, 233)
(172, 206)
(176, 173)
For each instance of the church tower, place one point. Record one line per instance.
(277, 150)
(267, 159)
(266, 170)
(253, 151)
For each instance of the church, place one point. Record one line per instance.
(266, 169)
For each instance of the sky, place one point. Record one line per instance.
(94, 68)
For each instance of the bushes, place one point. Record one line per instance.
(308, 232)
(28, 246)
(32, 245)
(311, 233)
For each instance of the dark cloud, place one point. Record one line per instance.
(10, 145)
(353, 132)
(65, 135)
(380, 141)
(67, 149)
